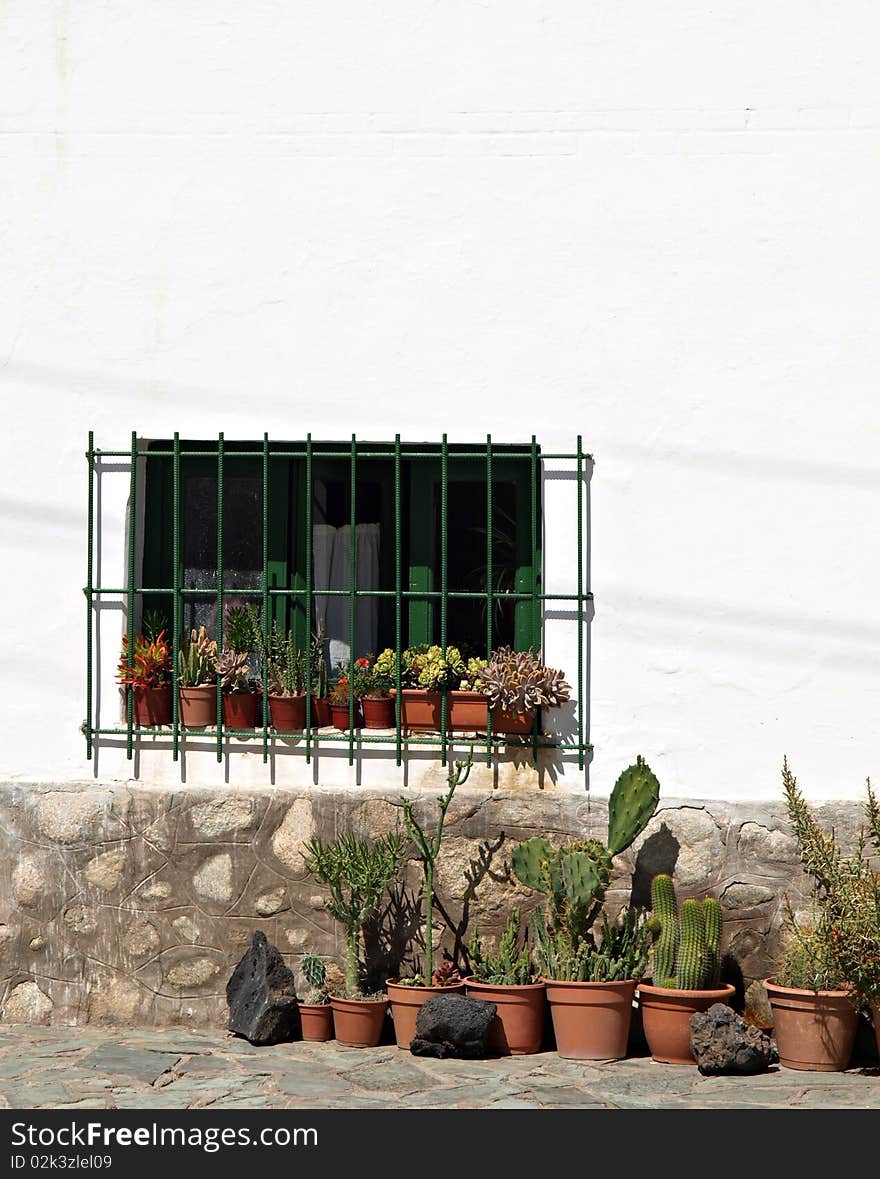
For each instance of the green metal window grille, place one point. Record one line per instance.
(287, 589)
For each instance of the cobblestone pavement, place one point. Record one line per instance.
(88, 1068)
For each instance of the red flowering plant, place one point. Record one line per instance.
(367, 681)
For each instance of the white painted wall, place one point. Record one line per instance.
(654, 223)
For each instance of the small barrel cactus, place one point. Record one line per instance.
(686, 941)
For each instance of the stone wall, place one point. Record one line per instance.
(129, 904)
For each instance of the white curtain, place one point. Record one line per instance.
(332, 556)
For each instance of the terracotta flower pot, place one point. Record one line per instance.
(151, 706)
(241, 710)
(422, 712)
(288, 713)
(666, 1017)
(591, 1019)
(467, 710)
(321, 718)
(405, 1004)
(359, 1022)
(339, 715)
(815, 1030)
(317, 1021)
(198, 706)
(518, 1026)
(378, 714)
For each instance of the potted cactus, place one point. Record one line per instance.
(320, 686)
(197, 679)
(426, 671)
(515, 684)
(507, 979)
(373, 683)
(149, 676)
(316, 1014)
(284, 674)
(341, 697)
(357, 873)
(686, 970)
(590, 986)
(408, 994)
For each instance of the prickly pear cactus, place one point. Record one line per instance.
(529, 862)
(631, 805)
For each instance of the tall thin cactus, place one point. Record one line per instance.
(686, 941)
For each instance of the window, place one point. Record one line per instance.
(378, 544)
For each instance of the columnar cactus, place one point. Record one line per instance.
(686, 941)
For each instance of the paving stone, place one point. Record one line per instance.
(144, 1064)
(393, 1077)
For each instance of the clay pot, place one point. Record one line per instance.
(422, 712)
(241, 710)
(405, 1004)
(317, 1021)
(288, 713)
(591, 1019)
(358, 1022)
(378, 714)
(815, 1030)
(339, 716)
(666, 1017)
(198, 706)
(151, 706)
(518, 1026)
(321, 718)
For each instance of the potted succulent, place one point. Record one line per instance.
(284, 673)
(341, 697)
(590, 985)
(517, 684)
(316, 1014)
(357, 872)
(507, 979)
(373, 683)
(831, 967)
(321, 717)
(426, 672)
(408, 994)
(149, 677)
(241, 700)
(686, 970)
(197, 680)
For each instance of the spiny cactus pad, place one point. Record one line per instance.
(529, 860)
(633, 801)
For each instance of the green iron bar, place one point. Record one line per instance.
(132, 535)
(264, 620)
(352, 584)
(89, 603)
(341, 454)
(176, 602)
(533, 627)
(490, 605)
(444, 587)
(219, 625)
(580, 584)
(398, 636)
(497, 595)
(309, 598)
(362, 738)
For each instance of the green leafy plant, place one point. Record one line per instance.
(155, 624)
(314, 971)
(686, 940)
(241, 628)
(840, 948)
(428, 848)
(511, 965)
(357, 873)
(621, 952)
(516, 682)
(197, 659)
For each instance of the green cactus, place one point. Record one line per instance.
(631, 805)
(528, 860)
(712, 957)
(314, 971)
(511, 966)
(686, 941)
(664, 929)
